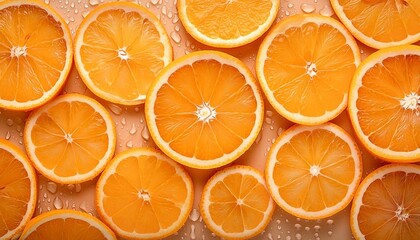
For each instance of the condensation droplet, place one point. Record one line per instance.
(47, 1)
(192, 233)
(176, 37)
(72, 5)
(93, 2)
(290, 5)
(269, 113)
(268, 120)
(52, 187)
(45, 195)
(145, 133)
(175, 19)
(129, 144)
(298, 226)
(7, 135)
(78, 187)
(307, 8)
(330, 233)
(117, 110)
(317, 228)
(154, 2)
(280, 131)
(194, 215)
(326, 11)
(258, 139)
(298, 236)
(84, 14)
(83, 207)
(287, 13)
(58, 203)
(330, 222)
(123, 121)
(70, 187)
(307, 228)
(133, 129)
(9, 122)
(164, 10)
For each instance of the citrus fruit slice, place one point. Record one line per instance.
(119, 49)
(229, 23)
(380, 23)
(235, 203)
(312, 172)
(66, 224)
(305, 65)
(70, 139)
(205, 109)
(18, 190)
(36, 54)
(387, 204)
(384, 103)
(143, 194)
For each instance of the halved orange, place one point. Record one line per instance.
(312, 172)
(235, 203)
(205, 109)
(120, 47)
(36, 54)
(380, 23)
(387, 204)
(143, 194)
(70, 139)
(305, 65)
(66, 224)
(18, 190)
(227, 23)
(384, 103)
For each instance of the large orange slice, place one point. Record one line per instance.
(143, 194)
(205, 109)
(18, 190)
(120, 47)
(36, 54)
(384, 103)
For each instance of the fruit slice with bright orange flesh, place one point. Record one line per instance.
(36, 54)
(235, 203)
(119, 49)
(380, 23)
(222, 23)
(384, 103)
(66, 224)
(18, 190)
(70, 139)
(143, 194)
(205, 109)
(312, 172)
(387, 204)
(305, 65)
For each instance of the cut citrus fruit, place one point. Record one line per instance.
(66, 224)
(305, 65)
(380, 23)
(312, 172)
(36, 54)
(387, 204)
(235, 203)
(18, 190)
(229, 23)
(70, 139)
(205, 109)
(119, 49)
(143, 194)
(384, 103)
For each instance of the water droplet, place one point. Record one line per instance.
(307, 8)
(93, 2)
(129, 144)
(7, 135)
(268, 120)
(326, 11)
(84, 14)
(317, 228)
(133, 129)
(170, 14)
(192, 233)
(52, 187)
(154, 2)
(123, 121)
(70, 187)
(58, 203)
(258, 139)
(307, 228)
(287, 13)
(145, 133)
(290, 5)
(175, 19)
(270, 236)
(330, 233)
(330, 222)
(45, 195)
(298, 236)
(280, 131)
(194, 215)
(117, 110)
(269, 113)
(298, 226)
(72, 5)
(164, 10)
(78, 187)
(83, 207)
(9, 122)
(47, 1)
(176, 37)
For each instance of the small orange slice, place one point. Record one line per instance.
(70, 139)
(235, 203)
(387, 204)
(384, 103)
(205, 109)
(143, 194)
(66, 224)
(36, 54)
(305, 65)
(312, 172)
(120, 47)
(18, 190)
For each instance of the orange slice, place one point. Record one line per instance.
(312, 172)
(235, 203)
(66, 224)
(36, 54)
(380, 23)
(227, 23)
(305, 65)
(143, 194)
(384, 103)
(18, 190)
(205, 109)
(387, 204)
(70, 139)
(119, 49)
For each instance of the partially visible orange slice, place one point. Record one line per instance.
(36, 54)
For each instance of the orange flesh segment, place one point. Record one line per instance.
(135, 36)
(76, 121)
(290, 56)
(380, 204)
(385, 85)
(27, 76)
(293, 174)
(220, 86)
(150, 177)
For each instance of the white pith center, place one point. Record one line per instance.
(401, 214)
(239, 201)
(122, 53)
(68, 137)
(315, 170)
(411, 102)
(205, 112)
(311, 69)
(18, 51)
(144, 195)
